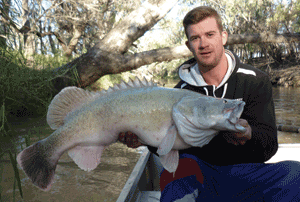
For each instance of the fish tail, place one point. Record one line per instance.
(37, 165)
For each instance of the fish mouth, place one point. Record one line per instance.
(236, 113)
(235, 116)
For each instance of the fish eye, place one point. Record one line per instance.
(225, 101)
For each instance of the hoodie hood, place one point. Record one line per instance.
(189, 73)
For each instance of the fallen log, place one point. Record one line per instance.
(288, 128)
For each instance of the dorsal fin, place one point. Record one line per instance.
(136, 83)
(68, 100)
(71, 99)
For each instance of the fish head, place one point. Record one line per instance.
(209, 113)
(226, 114)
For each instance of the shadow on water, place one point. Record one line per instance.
(107, 180)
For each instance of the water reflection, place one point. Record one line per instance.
(287, 105)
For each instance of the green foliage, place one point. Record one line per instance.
(109, 80)
(1, 171)
(165, 70)
(26, 91)
(17, 175)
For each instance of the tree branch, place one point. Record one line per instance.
(107, 56)
(135, 25)
(262, 38)
(167, 54)
(94, 65)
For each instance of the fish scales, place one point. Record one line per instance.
(146, 108)
(85, 123)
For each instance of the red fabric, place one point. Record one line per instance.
(186, 167)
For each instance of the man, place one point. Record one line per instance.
(231, 167)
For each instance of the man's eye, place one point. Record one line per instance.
(193, 38)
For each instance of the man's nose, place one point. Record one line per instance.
(203, 43)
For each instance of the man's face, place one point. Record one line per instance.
(206, 42)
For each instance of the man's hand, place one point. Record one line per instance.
(239, 138)
(130, 139)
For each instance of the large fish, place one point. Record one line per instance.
(86, 122)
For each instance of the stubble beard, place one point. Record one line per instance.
(209, 65)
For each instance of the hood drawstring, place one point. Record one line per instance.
(225, 89)
(206, 91)
(214, 89)
(182, 85)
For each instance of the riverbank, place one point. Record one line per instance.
(286, 74)
(287, 77)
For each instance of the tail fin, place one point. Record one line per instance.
(37, 166)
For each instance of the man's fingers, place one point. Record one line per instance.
(236, 139)
(135, 143)
(121, 137)
(242, 142)
(130, 139)
(243, 123)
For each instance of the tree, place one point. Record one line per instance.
(110, 55)
(105, 44)
(4, 8)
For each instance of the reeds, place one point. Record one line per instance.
(24, 92)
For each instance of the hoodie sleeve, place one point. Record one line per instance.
(260, 114)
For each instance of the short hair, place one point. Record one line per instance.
(200, 13)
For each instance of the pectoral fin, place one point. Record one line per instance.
(168, 141)
(86, 157)
(170, 161)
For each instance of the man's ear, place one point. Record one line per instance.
(224, 37)
(187, 45)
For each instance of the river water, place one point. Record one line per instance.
(287, 109)
(107, 180)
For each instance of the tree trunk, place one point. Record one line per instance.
(6, 4)
(52, 44)
(68, 49)
(107, 56)
(29, 43)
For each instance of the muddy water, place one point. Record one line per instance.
(73, 184)
(287, 105)
(107, 180)
(287, 109)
